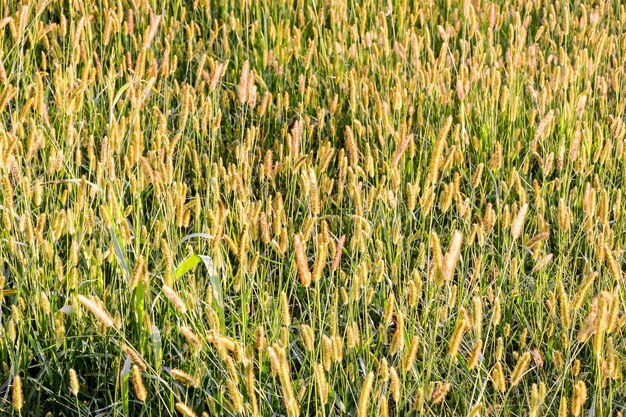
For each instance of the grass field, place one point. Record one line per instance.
(312, 208)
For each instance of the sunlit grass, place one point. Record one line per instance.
(312, 208)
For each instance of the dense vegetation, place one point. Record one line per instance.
(312, 208)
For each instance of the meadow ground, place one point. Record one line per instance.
(312, 208)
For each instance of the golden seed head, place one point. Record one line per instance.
(497, 377)
(18, 400)
(395, 385)
(138, 386)
(440, 393)
(301, 261)
(98, 311)
(184, 410)
(308, 338)
(520, 368)
(174, 298)
(578, 398)
(284, 309)
(364, 395)
(74, 384)
(183, 377)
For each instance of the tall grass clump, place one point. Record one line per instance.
(312, 208)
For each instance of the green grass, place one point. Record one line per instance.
(261, 198)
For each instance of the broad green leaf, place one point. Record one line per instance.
(214, 278)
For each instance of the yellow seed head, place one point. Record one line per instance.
(307, 337)
(327, 352)
(235, 396)
(409, 357)
(451, 258)
(260, 338)
(564, 305)
(397, 342)
(579, 297)
(383, 407)
(352, 147)
(18, 400)
(174, 298)
(563, 407)
(102, 315)
(320, 260)
(74, 384)
(321, 383)
(183, 377)
(383, 370)
(338, 253)
(457, 337)
(284, 309)
(395, 385)
(135, 357)
(192, 338)
(600, 327)
(251, 389)
(614, 312)
(184, 410)
(578, 398)
(314, 192)
(474, 357)
(440, 393)
(518, 223)
(395, 160)
(138, 272)
(337, 348)
(497, 377)
(477, 315)
(437, 154)
(612, 264)
(497, 311)
(520, 368)
(499, 348)
(301, 261)
(364, 395)
(138, 386)
(576, 368)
